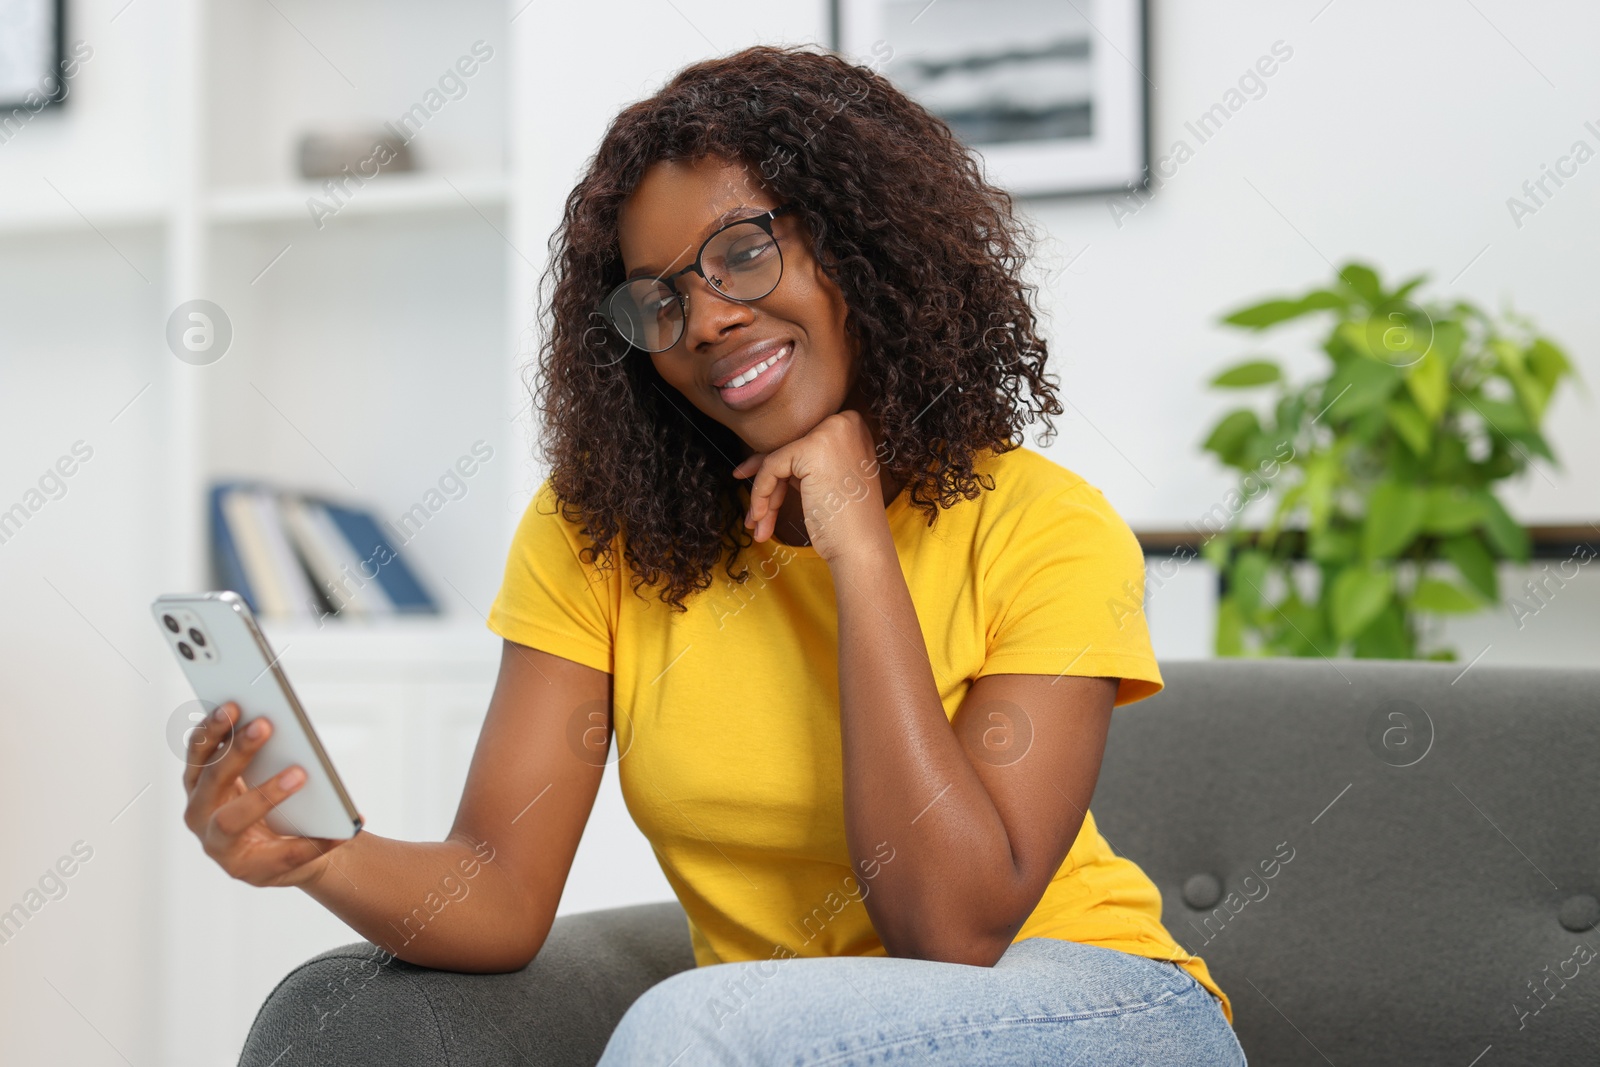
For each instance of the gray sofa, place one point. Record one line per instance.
(1432, 838)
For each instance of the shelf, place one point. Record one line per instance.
(390, 644)
(387, 194)
(1546, 541)
(50, 214)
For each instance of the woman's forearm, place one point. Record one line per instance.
(450, 904)
(907, 780)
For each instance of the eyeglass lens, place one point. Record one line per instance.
(741, 262)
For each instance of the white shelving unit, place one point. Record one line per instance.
(370, 350)
(372, 347)
(397, 194)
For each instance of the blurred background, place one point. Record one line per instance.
(359, 344)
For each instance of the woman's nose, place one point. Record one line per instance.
(708, 313)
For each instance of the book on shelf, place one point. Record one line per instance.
(299, 557)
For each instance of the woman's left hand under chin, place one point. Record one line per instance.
(835, 467)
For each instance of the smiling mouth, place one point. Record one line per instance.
(752, 385)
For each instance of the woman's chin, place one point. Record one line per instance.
(771, 434)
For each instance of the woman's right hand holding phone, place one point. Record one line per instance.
(228, 816)
(394, 892)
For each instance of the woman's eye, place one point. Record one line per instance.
(745, 258)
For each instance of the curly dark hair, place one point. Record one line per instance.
(928, 256)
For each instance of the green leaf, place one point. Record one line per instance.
(1535, 443)
(1443, 598)
(1268, 313)
(1230, 628)
(1230, 434)
(1505, 533)
(1410, 425)
(1508, 354)
(1449, 462)
(1448, 336)
(1387, 637)
(1304, 633)
(1503, 417)
(1474, 562)
(1394, 518)
(1363, 281)
(1451, 510)
(1271, 312)
(1548, 363)
(1428, 381)
(1336, 546)
(1358, 386)
(1245, 375)
(1396, 334)
(1359, 594)
(1531, 392)
(1249, 579)
(1289, 500)
(1215, 549)
(1367, 427)
(1406, 288)
(1324, 300)
(1516, 367)
(1354, 334)
(1322, 473)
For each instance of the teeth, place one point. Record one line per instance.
(754, 372)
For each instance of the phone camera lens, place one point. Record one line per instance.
(171, 623)
(188, 653)
(197, 637)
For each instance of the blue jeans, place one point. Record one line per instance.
(1046, 1001)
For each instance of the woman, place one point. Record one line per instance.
(858, 648)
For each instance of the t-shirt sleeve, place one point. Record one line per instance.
(1064, 581)
(550, 599)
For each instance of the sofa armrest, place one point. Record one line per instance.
(349, 1007)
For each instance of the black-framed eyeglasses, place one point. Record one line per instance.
(741, 261)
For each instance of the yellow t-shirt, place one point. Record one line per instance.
(727, 716)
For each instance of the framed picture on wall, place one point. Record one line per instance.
(30, 54)
(1051, 93)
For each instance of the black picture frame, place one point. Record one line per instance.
(49, 72)
(1130, 172)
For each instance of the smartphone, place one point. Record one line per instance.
(226, 658)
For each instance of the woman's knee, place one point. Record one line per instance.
(689, 1010)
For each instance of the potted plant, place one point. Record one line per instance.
(1378, 475)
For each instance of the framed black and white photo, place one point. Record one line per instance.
(1051, 93)
(30, 54)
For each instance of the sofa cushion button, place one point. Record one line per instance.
(1580, 913)
(1203, 891)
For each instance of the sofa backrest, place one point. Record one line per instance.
(1379, 862)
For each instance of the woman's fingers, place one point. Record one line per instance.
(226, 814)
(775, 470)
(247, 809)
(246, 849)
(203, 743)
(769, 521)
(216, 779)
